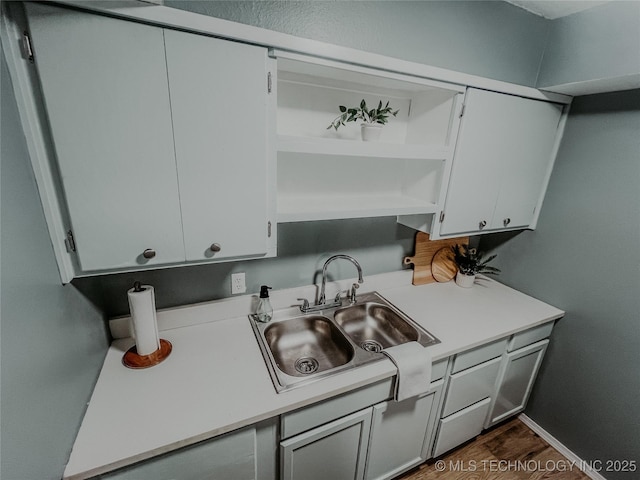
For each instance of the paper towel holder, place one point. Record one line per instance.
(131, 359)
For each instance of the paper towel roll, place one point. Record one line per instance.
(142, 305)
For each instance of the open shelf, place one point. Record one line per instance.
(312, 187)
(355, 148)
(308, 207)
(332, 174)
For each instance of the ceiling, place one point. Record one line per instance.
(552, 9)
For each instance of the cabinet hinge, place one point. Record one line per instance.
(26, 45)
(269, 82)
(462, 110)
(441, 217)
(69, 242)
(269, 229)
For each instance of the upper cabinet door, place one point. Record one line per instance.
(528, 158)
(107, 99)
(219, 107)
(502, 161)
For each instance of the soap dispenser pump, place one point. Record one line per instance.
(264, 311)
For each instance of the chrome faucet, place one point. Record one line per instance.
(322, 300)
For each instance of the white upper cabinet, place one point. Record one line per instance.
(328, 174)
(106, 95)
(155, 146)
(219, 107)
(161, 140)
(503, 159)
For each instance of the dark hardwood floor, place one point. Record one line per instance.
(509, 451)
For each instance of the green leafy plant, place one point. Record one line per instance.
(471, 262)
(379, 115)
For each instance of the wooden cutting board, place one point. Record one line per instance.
(443, 265)
(425, 249)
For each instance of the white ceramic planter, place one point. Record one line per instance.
(370, 131)
(465, 281)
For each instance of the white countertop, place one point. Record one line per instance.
(215, 379)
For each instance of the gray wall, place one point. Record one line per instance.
(584, 258)
(488, 38)
(53, 340)
(378, 244)
(598, 43)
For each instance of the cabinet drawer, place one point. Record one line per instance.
(530, 336)
(478, 355)
(471, 386)
(461, 426)
(306, 418)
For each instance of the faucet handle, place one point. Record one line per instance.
(305, 305)
(352, 293)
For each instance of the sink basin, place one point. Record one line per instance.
(302, 348)
(306, 345)
(375, 325)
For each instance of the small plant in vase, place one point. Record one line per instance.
(470, 262)
(373, 119)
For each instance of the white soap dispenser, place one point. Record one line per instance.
(264, 311)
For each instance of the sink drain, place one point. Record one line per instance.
(371, 346)
(306, 365)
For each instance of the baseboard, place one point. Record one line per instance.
(583, 465)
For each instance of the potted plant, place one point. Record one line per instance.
(373, 119)
(470, 262)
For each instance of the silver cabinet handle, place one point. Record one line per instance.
(482, 224)
(215, 247)
(149, 253)
(506, 221)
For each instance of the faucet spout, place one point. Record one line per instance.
(322, 299)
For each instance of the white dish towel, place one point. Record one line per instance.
(413, 362)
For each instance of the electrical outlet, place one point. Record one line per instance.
(238, 284)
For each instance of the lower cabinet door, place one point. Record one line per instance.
(230, 456)
(515, 381)
(400, 435)
(336, 450)
(461, 426)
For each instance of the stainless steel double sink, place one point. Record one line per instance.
(302, 348)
